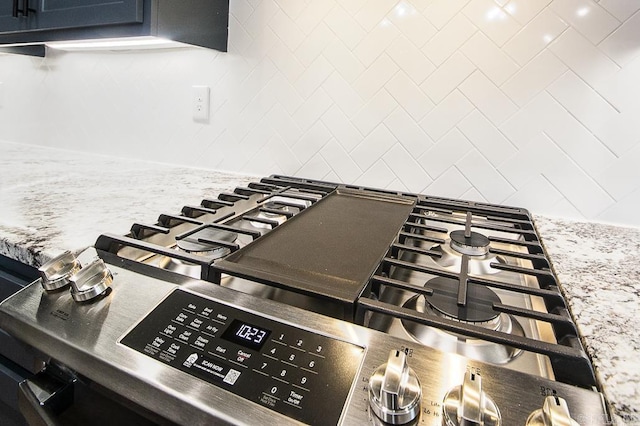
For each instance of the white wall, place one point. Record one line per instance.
(534, 103)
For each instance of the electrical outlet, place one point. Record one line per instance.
(201, 101)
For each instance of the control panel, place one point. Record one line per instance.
(281, 367)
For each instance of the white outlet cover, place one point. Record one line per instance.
(200, 103)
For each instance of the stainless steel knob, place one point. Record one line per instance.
(91, 282)
(55, 273)
(468, 405)
(394, 390)
(554, 412)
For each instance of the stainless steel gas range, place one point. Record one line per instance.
(300, 301)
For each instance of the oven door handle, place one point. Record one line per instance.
(44, 396)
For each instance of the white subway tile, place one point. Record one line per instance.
(488, 98)
(625, 211)
(293, 8)
(311, 142)
(408, 133)
(377, 176)
(286, 30)
(453, 146)
(407, 168)
(447, 77)
(412, 23)
(239, 39)
(373, 147)
(281, 89)
(586, 16)
(341, 128)
(280, 120)
(537, 195)
(449, 39)
(410, 59)
(409, 96)
(313, 14)
(286, 61)
(621, 9)
(474, 195)
(375, 77)
(450, 184)
(374, 112)
(240, 10)
(590, 108)
(529, 121)
(621, 178)
(524, 11)
(353, 6)
(446, 115)
(313, 45)
(316, 168)
(340, 162)
(492, 20)
(622, 89)
(583, 58)
(345, 27)
(484, 177)
(375, 42)
(313, 77)
(373, 12)
(624, 44)
(487, 138)
(343, 94)
(263, 13)
(535, 36)
(493, 62)
(343, 60)
(534, 77)
(312, 109)
(440, 12)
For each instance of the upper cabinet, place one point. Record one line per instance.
(35, 22)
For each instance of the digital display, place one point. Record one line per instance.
(247, 335)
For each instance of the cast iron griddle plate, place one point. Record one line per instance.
(331, 249)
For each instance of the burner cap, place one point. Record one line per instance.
(444, 299)
(191, 244)
(474, 245)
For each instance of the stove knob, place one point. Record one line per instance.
(91, 282)
(55, 273)
(468, 405)
(394, 390)
(554, 412)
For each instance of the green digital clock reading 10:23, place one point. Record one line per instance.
(247, 335)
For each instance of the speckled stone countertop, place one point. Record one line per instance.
(54, 200)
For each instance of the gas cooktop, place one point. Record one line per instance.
(404, 307)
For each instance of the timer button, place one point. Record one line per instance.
(554, 412)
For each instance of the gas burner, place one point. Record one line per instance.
(479, 306)
(451, 260)
(277, 209)
(205, 242)
(469, 242)
(443, 303)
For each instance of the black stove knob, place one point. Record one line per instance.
(394, 391)
(91, 282)
(554, 412)
(468, 405)
(55, 274)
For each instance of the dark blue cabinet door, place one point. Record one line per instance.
(8, 22)
(52, 14)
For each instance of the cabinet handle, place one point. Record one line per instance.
(25, 11)
(15, 9)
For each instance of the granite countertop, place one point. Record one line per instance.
(54, 200)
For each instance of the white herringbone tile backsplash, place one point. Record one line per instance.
(534, 103)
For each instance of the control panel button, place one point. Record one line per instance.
(394, 390)
(468, 404)
(554, 412)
